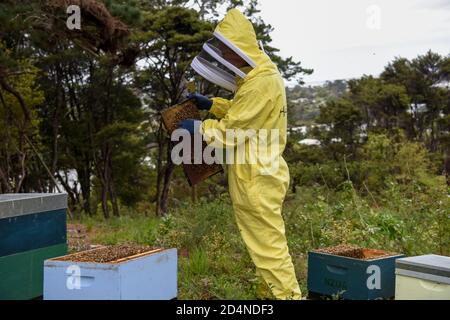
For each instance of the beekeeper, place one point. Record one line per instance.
(234, 61)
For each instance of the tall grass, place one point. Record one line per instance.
(213, 261)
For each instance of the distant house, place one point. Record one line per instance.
(302, 129)
(417, 108)
(310, 142)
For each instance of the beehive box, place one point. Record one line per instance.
(32, 229)
(112, 273)
(423, 278)
(195, 173)
(352, 273)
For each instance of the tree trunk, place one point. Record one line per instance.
(60, 102)
(66, 186)
(84, 177)
(167, 180)
(447, 167)
(112, 191)
(159, 171)
(102, 172)
(105, 202)
(105, 189)
(4, 185)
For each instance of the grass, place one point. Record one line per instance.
(214, 263)
(125, 229)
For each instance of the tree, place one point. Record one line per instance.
(175, 36)
(423, 78)
(343, 120)
(384, 105)
(92, 123)
(19, 97)
(89, 108)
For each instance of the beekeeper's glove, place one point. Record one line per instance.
(202, 102)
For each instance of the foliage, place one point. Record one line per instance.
(87, 102)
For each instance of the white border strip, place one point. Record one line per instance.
(230, 66)
(219, 36)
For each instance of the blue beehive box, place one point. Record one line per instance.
(352, 273)
(150, 275)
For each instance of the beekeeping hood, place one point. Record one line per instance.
(236, 32)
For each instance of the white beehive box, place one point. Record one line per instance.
(147, 276)
(422, 278)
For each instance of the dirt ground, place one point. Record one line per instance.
(77, 238)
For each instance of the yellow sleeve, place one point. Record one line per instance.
(249, 109)
(220, 107)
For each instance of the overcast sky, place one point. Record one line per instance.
(342, 39)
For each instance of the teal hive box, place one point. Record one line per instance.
(352, 278)
(32, 229)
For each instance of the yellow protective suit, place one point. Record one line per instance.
(259, 103)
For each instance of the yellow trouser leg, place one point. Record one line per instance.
(262, 289)
(257, 207)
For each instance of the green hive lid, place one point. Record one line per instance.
(428, 267)
(18, 204)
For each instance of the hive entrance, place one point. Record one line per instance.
(355, 252)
